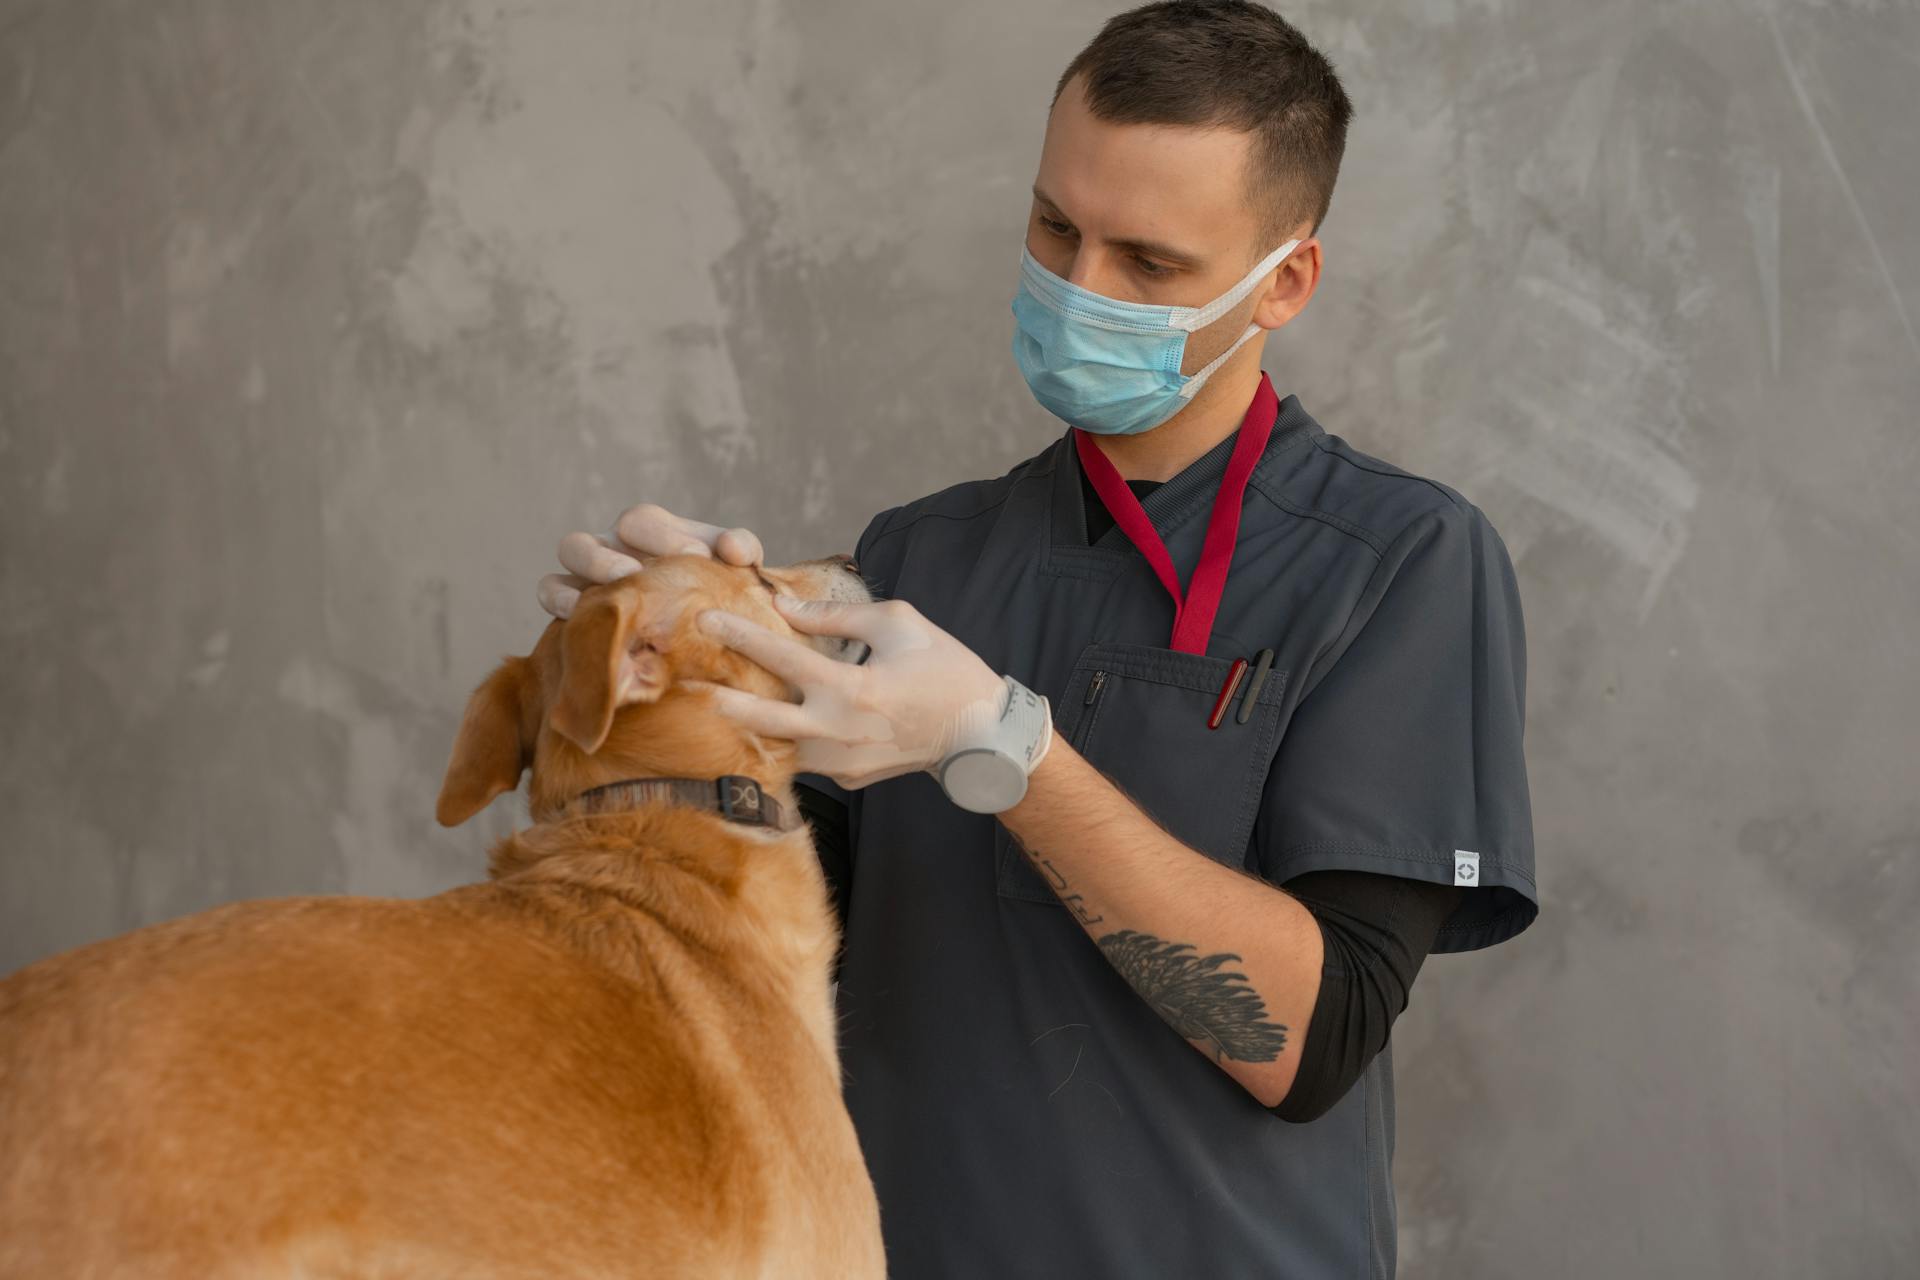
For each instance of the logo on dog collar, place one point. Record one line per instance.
(743, 796)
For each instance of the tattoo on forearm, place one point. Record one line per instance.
(1201, 1003)
(1219, 1009)
(1072, 901)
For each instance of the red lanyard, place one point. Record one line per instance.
(1193, 615)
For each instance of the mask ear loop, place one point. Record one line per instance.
(1192, 318)
(1201, 317)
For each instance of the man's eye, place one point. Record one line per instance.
(1058, 228)
(1149, 268)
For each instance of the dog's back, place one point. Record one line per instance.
(362, 1087)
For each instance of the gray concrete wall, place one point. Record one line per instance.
(320, 323)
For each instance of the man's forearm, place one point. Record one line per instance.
(1231, 962)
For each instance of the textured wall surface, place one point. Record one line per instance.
(319, 324)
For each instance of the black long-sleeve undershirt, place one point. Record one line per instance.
(1376, 931)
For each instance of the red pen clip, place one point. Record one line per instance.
(1226, 692)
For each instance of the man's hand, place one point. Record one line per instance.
(920, 691)
(646, 530)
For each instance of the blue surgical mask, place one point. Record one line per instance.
(1112, 367)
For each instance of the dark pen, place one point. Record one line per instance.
(1260, 667)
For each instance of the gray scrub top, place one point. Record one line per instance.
(1023, 1111)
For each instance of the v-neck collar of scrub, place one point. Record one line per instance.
(1186, 494)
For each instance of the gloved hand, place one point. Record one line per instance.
(646, 530)
(919, 694)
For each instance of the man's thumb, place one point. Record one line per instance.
(811, 616)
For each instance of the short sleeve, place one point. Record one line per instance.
(1406, 756)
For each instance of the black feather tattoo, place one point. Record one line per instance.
(1202, 1004)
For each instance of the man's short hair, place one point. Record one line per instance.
(1234, 64)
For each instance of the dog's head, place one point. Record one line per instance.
(597, 700)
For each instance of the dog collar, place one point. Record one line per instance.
(735, 797)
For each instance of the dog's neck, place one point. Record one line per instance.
(667, 756)
(574, 810)
(751, 894)
(735, 796)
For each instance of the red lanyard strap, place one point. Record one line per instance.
(1194, 612)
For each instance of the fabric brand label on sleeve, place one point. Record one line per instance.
(1466, 867)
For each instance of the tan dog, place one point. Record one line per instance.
(614, 1058)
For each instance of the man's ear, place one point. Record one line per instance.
(605, 664)
(494, 744)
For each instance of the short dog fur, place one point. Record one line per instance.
(615, 1057)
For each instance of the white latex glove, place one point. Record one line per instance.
(919, 692)
(646, 530)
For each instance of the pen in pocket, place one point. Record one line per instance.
(1260, 667)
(1238, 669)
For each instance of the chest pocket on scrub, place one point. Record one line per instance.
(1139, 715)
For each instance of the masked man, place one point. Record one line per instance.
(1179, 746)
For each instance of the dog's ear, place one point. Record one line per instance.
(605, 664)
(494, 745)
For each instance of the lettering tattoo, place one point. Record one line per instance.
(1072, 901)
(1188, 990)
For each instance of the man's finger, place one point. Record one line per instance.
(796, 663)
(587, 556)
(870, 620)
(559, 592)
(653, 530)
(739, 546)
(766, 716)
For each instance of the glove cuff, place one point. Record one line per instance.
(989, 774)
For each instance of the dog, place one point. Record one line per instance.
(614, 1057)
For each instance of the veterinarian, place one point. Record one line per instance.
(1179, 746)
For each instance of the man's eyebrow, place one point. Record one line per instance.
(1150, 248)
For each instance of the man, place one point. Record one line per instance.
(1066, 829)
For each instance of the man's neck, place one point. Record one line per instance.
(1168, 449)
